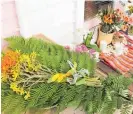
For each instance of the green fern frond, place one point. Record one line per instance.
(126, 109)
(36, 94)
(47, 53)
(16, 42)
(13, 104)
(105, 99)
(55, 99)
(68, 96)
(47, 95)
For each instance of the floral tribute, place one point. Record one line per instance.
(38, 76)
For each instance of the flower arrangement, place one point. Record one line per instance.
(22, 71)
(44, 76)
(124, 18)
(110, 19)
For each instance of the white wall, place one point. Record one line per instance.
(57, 19)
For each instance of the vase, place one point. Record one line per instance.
(107, 37)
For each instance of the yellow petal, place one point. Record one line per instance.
(27, 95)
(21, 91)
(55, 77)
(13, 85)
(60, 78)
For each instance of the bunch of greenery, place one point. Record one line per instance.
(22, 71)
(103, 100)
(51, 55)
(112, 93)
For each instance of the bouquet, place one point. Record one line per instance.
(110, 19)
(113, 19)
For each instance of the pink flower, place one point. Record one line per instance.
(84, 48)
(81, 48)
(92, 51)
(67, 47)
(131, 20)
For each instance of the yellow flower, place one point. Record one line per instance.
(4, 77)
(58, 77)
(30, 66)
(37, 67)
(18, 51)
(15, 75)
(21, 90)
(13, 85)
(61, 77)
(24, 58)
(15, 88)
(68, 74)
(27, 95)
(33, 55)
(26, 69)
(15, 72)
(55, 77)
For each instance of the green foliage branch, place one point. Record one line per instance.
(112, 95)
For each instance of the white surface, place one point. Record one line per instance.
(57, 19)
(79, 21)
(103, 45)
(95, 35)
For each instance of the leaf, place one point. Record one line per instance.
(10, 103)
(95, 47)
(81, 81)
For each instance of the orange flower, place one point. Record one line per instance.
(124, 27)
(108, 19)
(105, 18)
(126, 19)
(9, 60)
(111, 15)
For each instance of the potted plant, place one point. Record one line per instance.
(109, 20)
